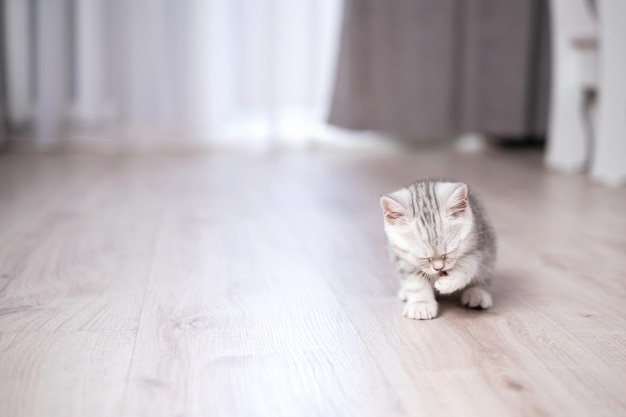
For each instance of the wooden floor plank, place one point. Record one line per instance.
(247, 285)
(237, 322)
(59, 373)
(80, 262)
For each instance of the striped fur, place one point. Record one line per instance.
(439, 239)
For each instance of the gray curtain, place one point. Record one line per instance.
(3, 82)
(424, 69)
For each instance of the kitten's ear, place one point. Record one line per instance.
(392, 209)
(457, 202)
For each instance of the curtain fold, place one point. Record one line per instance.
(423, 69)
(219, 71)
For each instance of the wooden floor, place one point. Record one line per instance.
(240, 285)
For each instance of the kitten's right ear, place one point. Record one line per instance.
(394, 211)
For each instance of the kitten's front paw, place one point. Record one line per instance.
(402, 295)
(447, 285)
(476, 297)
(421, 311)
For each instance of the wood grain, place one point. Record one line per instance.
(242, 285)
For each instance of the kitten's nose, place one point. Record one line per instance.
(438, 264)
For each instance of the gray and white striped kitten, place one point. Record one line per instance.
(439, 240)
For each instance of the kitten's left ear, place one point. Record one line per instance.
(457, 202)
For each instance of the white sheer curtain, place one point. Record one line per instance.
(185, 71)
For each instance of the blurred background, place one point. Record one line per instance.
(194, 75)
(190, 220)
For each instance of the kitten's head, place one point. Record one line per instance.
(428, 224)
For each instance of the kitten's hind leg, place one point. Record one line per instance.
(476, 297)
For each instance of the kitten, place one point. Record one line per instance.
(438, 238)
